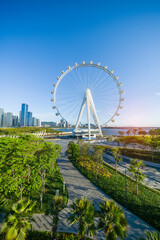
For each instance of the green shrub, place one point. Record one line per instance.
(146, 205)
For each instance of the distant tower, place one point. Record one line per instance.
(30, 121)
(24, 115)
(1, 116)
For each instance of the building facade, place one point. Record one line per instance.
(24, 115)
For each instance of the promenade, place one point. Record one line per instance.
(79, 186)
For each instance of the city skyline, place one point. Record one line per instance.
(8, 119)
(39, 40)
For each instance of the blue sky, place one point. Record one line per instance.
(38, 39)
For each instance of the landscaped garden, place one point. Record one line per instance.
(145, 203)
(143, 147)
(28, 169)
(26, 130)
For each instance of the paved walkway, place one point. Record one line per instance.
(78, 186)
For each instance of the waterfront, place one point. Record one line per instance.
(106, 131)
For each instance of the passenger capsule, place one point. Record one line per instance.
(52, 99)
(52, 92)
(91, 62)
(98, 63)
(83, 62)
(54, 107)
(112, 71)
(105, 67)
(117, 77)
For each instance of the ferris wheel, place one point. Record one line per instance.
(89, 86)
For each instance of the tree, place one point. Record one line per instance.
(117, 157)
(154, 132)
(73, 151)
(98, 158)
(18, 222)
(154, 144)
(55, 207)
(135, 170)
(83, 213)
(129, 132)
(134, 131)
(142, 132)
(121, 133)
(111, 220)
(151, 236)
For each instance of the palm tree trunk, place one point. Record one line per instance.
(54, 232)
(137, 189)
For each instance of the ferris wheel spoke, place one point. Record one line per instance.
(97, 78)
(80, 81)
(103, 80)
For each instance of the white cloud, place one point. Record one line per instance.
(158, 93)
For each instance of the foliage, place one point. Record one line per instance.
(21, 130)
(56, 206)
(145, 155)
(28, 166)
(73, 151)
(17, 223)
(151, 236)
(121, 133)
(83, 213)
(111, 220)
(154, 131)
(36, 235)
(146, 205)
(117, 157)
(135, 170)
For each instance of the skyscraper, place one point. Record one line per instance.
(1, 116)
(29, 118)
(15, 121)
(24, 115)
(9, 120)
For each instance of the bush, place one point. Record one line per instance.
(146, 205)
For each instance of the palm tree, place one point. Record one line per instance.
(151, 236)
(17, 223)
(83, 213)
(112, 220)
(56, 206)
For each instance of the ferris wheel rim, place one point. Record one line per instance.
(105, 69)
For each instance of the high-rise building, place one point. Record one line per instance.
(15, 121)
(9, 119)
(4, 120)
(38, 122)
(29, 118)
(1, 116)
(24, 115)
(34, 122)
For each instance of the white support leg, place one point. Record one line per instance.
(81, 111)
(90, 106)
(88, 116)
